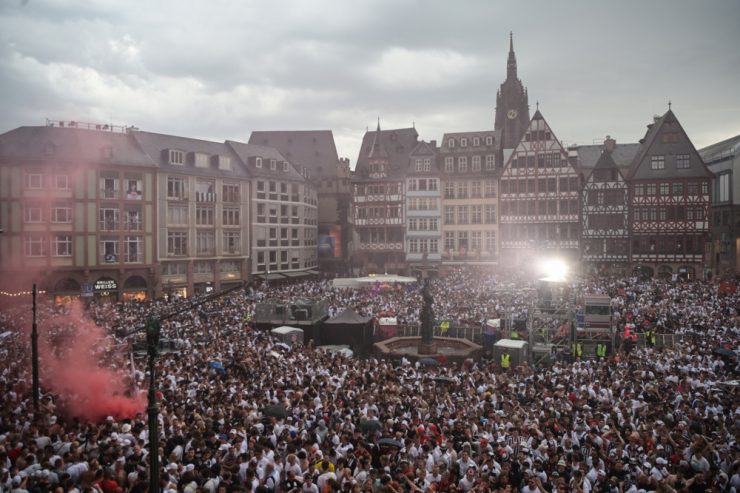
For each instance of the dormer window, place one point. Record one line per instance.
(200, 160)
(489, 140)
(273, 164)
(476, 141)
(258, 162)
(463, 142)
(417, 164)
(451, 143)
(175, 157)
(222, 162)
(286, 166)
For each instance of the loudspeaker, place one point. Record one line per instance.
(301, 314)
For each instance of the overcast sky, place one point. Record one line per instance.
(219, 69)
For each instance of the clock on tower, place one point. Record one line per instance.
(512, 114)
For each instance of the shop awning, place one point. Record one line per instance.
(295, 274)
(272, 276)
(313, 272)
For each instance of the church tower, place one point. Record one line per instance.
(512, 105)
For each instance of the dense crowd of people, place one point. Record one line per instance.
(241, 412)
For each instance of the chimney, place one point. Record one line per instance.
(610, 144)
(433, 143)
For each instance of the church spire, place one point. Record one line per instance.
(377, 150)
(511, 63)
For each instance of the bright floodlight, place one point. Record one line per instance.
(554, 270)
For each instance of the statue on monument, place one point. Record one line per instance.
(427, 315)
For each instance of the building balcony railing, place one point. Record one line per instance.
(205, 197)
(376, 247)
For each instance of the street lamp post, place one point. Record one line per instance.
(152, 339)
(35, 354)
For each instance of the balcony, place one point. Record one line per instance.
(205, 197)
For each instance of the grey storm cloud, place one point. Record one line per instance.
(221, 69)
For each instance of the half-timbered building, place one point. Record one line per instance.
(540, 198)
(604, 217)
(378, 200)
(669, 202)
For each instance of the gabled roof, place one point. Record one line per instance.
(423, 149)
(312, 149)
(537, 123)
(654, 145)
(46, 144)
(154, 144)
(605, 161)
(721, 151)
(420, 151)
(588, 155)
(398, 143)
(248, 152)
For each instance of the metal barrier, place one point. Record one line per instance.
(474, 334)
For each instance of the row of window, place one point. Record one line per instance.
(475, 141)
(200, 267)
(561, 184)
(268, 237)
(670, 213)
(422, 184)
(422, 204)
(472, 214)
(267, 261)
(39, 181)
(657, 162)
(475, 163)
(268, 213)
(57, 214)
(377, 189)
(269, 191)
(273, 163)
(39, 245)
(205, 243)
(667, 245)
(423, 246)
(473, 190)
(550, 207)
(539, 232)
(204, 190)
(392, 211)
(540, 160)
(607, 197)
(470, 241)
(381, 235)
(423, 224)
(675, 189)
(110, 219)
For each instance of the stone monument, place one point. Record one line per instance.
(426, 344)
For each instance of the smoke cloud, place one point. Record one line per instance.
(71, 349)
